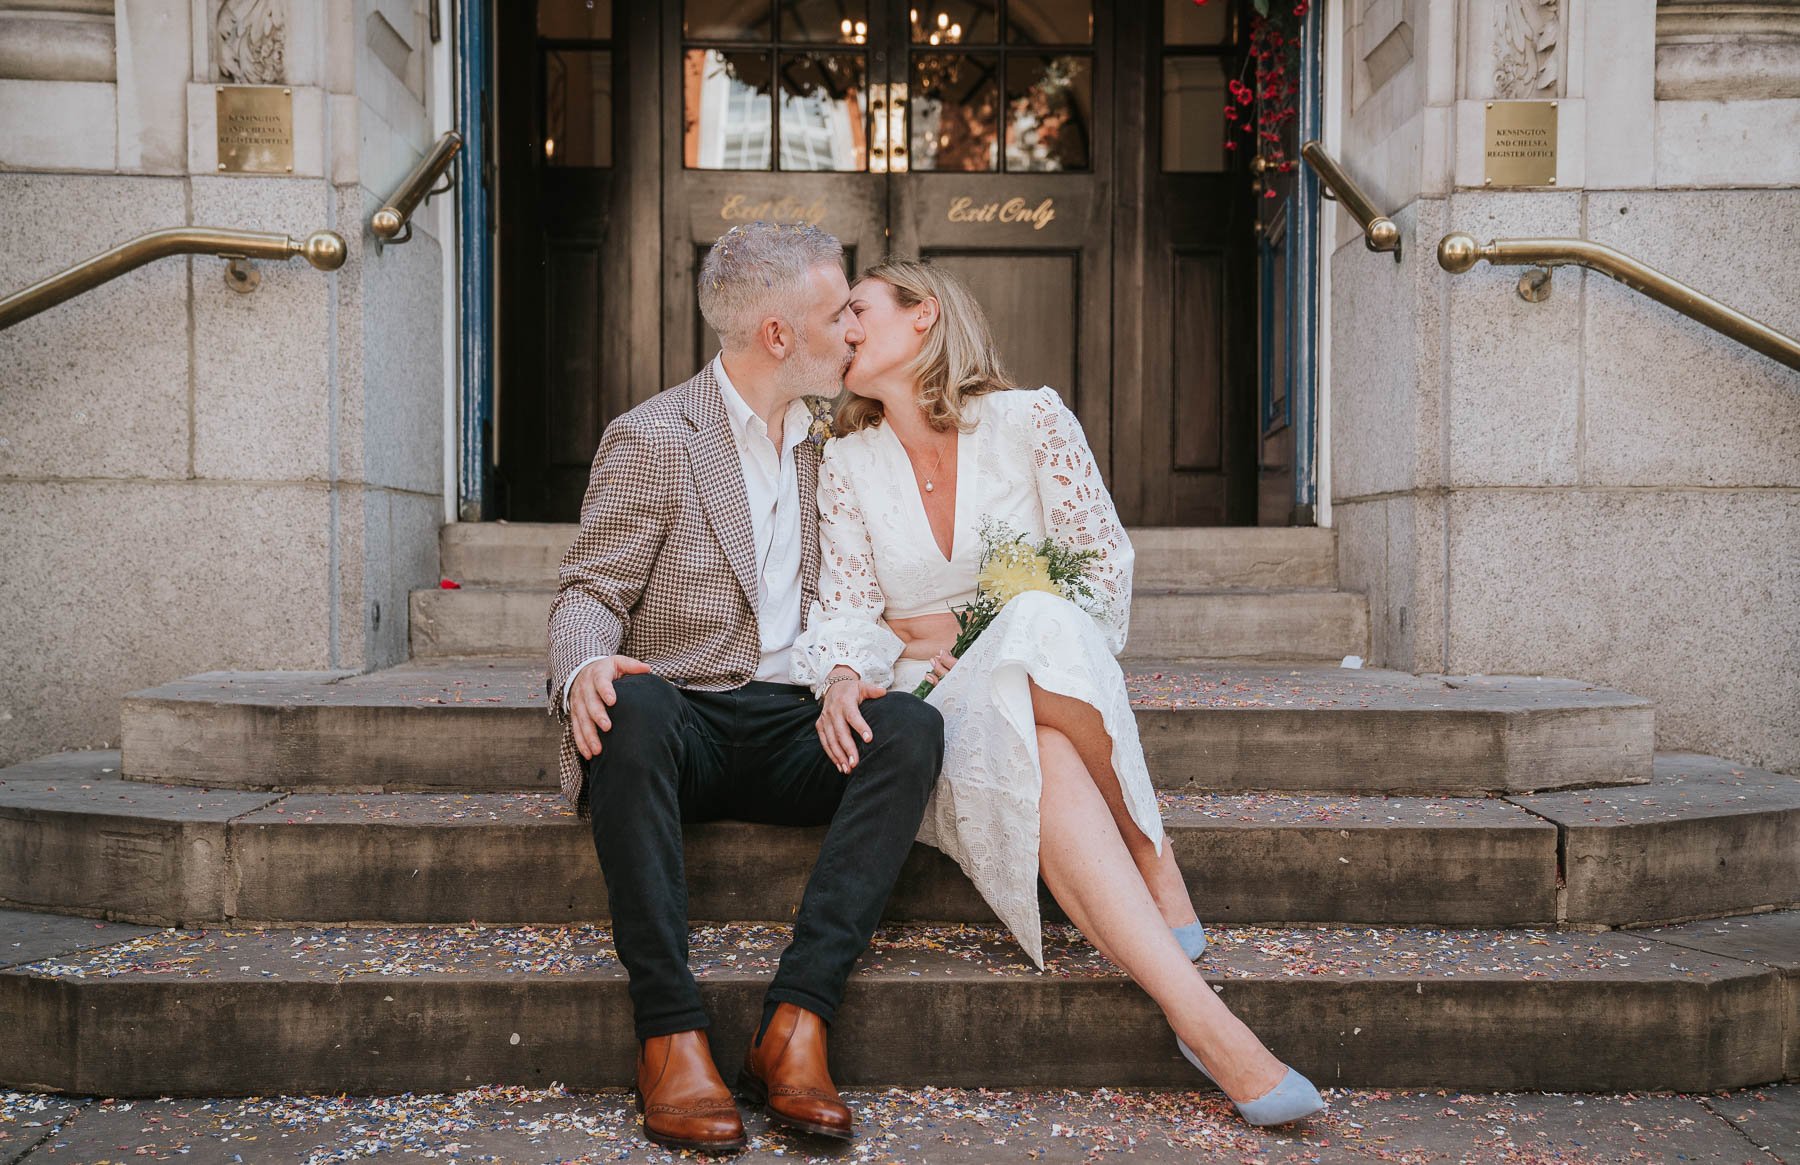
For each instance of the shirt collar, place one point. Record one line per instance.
(744, 421)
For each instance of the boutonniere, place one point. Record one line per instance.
(820, 430)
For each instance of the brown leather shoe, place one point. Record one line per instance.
(685, 1104)
(788, 1075)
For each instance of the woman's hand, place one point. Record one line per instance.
(841, 721)
(941, 663)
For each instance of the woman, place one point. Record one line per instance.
(1043, 773)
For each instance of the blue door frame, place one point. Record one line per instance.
(476, 278)
(1304, 251)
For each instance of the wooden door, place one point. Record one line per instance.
(1006, 178)
(768, 111)
(563, 335)
(1185, 373)
(1065, 157)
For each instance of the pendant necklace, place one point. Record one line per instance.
(929, 487)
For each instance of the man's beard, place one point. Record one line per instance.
(804, 374)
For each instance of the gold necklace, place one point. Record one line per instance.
(934, 468)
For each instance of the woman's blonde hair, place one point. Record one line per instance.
(957, 360)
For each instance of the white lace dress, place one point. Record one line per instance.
(1027, 466)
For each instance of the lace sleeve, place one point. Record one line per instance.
(1078, 509)
(844, 626)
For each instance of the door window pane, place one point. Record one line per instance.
(575, 19)
(726, 19)
(1193, 111)
(955, 111)
(578, 108)
(728, 120)
(822, 112)
(955, 22)
(837, 21)
(1054, 22)
(1185, 22)
(1049, 106)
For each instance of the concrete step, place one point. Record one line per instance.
(482, 724)
(1250, 625)
(230, 1012)
(1704, 838)
(526, 554)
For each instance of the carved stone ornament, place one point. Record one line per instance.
(1527, 48)
(252, 41)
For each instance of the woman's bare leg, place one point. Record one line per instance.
(1086, 864)
(1082, 725)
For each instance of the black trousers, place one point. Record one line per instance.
(751, 754)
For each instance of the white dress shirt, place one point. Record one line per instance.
(772, 485)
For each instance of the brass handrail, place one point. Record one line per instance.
(396, 216)
(323, 249)
(1380, 232)
(1458, 252)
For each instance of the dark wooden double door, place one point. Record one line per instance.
(1031, 146)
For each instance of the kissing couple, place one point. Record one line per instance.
(740, 625)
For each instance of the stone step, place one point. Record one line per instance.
(482, 724)
(1249, 625)
(1704, 838)
(526, 554)
(221, 1012)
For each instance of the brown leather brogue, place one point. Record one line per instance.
(685, 1103)
(787, 1074)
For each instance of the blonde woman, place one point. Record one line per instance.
(1043, 773)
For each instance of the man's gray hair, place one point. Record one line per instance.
(757, 270)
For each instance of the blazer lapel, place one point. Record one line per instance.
(806, 464)
(719, 480)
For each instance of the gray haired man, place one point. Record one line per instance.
(694, 572)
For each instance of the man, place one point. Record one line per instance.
(678, 604)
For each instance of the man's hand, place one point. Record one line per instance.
(592, 694)
(840, 722)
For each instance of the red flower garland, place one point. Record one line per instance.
(1274, 64)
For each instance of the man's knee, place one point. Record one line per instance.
(910, 726)
(647, 717)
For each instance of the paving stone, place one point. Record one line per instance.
(30, 1119)
(482, 724)
(1704, 830)
(393, 1008)
(930, 1126)
(1768, 1117)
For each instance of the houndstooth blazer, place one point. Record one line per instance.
(664, 568)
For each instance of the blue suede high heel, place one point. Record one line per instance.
(1294, 1097)
(1192, 938)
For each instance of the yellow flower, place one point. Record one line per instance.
(1011, 571)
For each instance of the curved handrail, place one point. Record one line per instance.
(1458, 253)
(1380, 232)
(396, 215)
(325, 250)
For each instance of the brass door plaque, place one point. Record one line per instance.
(256, 129)
(1521, 143)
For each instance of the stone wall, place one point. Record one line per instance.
(1592, 485)
(192, 478)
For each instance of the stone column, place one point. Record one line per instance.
(1593, 485)
(192, 478)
